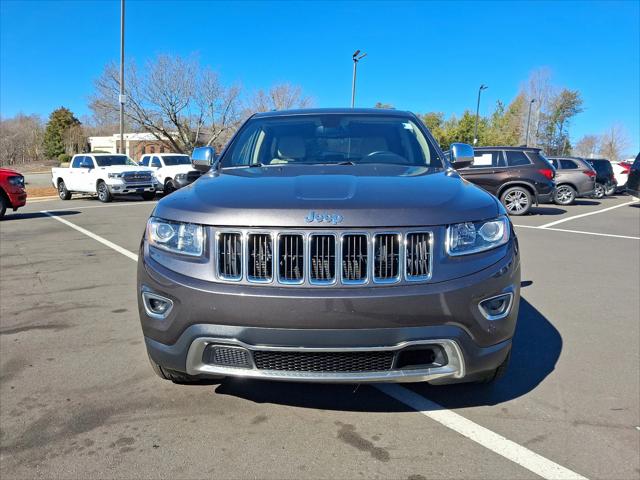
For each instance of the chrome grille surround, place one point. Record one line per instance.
(279, 237)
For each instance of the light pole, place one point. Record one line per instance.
(356, 58)
(475, 130)
(121, 97)
(526, 142)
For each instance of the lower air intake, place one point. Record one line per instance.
(323, 361)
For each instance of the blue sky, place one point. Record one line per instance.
(422, 56)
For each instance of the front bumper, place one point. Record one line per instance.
(123, 188)
(265, 318)
(17, 197)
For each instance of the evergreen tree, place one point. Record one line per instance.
(60, 121)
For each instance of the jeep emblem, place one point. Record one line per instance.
(332, 218)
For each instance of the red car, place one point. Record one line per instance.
(12, 192)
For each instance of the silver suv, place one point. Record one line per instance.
(574, 178)
(330, 246)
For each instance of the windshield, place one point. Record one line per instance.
(172, 160)
(110, 160)
(331, 139)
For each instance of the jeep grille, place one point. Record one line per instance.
(319, 258)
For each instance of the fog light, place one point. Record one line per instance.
(156, 306)
(496, 308)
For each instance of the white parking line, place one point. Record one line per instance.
(557, 222)
(481, 435)
(97, 238)
(578, 231)
(109, 205)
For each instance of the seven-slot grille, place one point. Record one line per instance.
(386, 261)
(418, 255)
(322, 258)
(230, 255)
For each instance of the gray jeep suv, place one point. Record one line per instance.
(330, 245)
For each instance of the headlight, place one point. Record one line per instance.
(17, 181)
(115, 175)
(473, 237)
(176, 237)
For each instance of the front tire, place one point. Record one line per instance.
(517, 200)
(169, 187)
(565, 195)
(63, 193)
(104, 195)
(610, 190)
(3, 205)
(599, 191)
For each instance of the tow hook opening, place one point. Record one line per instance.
(497, 307)
(430, 356)
(156, 305)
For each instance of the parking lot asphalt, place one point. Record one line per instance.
(78, 398)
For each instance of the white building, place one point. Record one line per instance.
(135, 144)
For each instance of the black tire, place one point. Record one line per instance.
(180, 378)
(3, 205)
(169, 187)
(104, 195)
(63, 193)
(148, 195)
(496, 374)
(610, 190)
(517, 200)
(565, 195)
(599, 191)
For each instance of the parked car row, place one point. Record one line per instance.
(106, 175)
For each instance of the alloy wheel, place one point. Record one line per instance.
(516, 201)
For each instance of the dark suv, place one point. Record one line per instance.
(518, 176)
(605, 179)
(330, 245)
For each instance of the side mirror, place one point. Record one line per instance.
(203, 158)
(461, 155)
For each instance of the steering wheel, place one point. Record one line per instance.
(397, 158)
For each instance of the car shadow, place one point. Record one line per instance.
(546, 211)
(536, 348)
(24, 216)
(582, 202)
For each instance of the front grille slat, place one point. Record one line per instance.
(418, 255)
(386, 257)
(354, 258)
(291, 258)
(260, 257)
(230, 255)
(323, 259)
(371, 361)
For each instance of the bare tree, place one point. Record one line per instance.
(21, 139)
(180, 103)
(587, 146)
(539, 88)
(613, 142)
(283, 96)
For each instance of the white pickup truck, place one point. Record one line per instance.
(172, 170)
(104, 174)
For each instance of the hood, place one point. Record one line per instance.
(8, 172)
(329, 196)
(176, 169)
(125, 168)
